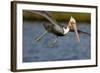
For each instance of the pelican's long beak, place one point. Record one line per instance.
(75, 28)
(77, 35)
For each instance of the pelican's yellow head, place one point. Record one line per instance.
(72, 23)
(72, 19)
(72, 26)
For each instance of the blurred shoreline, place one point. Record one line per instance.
(58, 16)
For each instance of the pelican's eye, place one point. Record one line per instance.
(72, 22)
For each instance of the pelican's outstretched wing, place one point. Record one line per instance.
(82, 32)
(45, 14)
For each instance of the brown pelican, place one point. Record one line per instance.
(62, 31)
(55, 28)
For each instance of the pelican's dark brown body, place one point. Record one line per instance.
(55, 29)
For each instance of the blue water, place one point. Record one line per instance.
(66, 47)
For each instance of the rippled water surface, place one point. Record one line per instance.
(66, 48)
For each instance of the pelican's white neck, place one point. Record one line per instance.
(66, 30)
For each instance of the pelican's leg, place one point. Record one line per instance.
(53, 42)
(39, 38)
